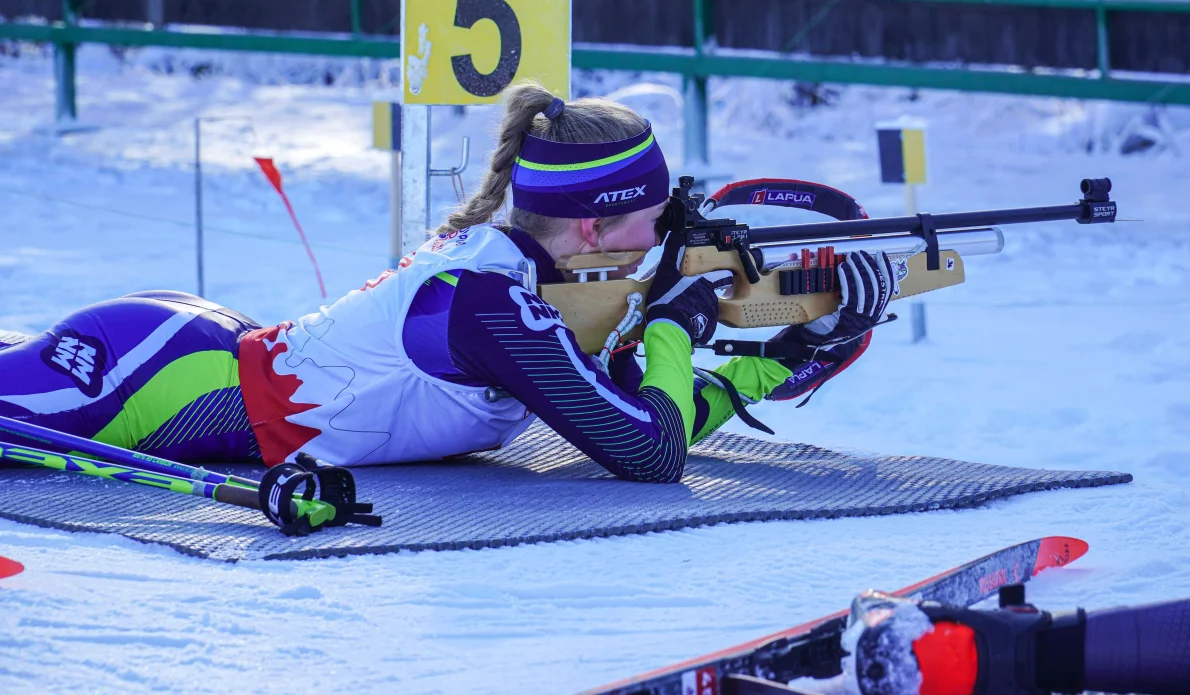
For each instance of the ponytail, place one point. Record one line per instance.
(581, 121)
(522, 104)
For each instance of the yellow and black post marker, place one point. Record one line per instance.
(386, 136)
(386, 126)
(902, 146)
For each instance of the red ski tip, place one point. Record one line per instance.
(10, 567)
(1056, 551)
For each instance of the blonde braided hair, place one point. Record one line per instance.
(586, 120)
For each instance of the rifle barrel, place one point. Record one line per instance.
(909, 225)
(967, 242)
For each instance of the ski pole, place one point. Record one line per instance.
(132, 459)
(317, 511)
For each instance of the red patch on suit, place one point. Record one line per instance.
(267, 397)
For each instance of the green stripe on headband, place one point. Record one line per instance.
(587, 165)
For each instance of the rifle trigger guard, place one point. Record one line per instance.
(929, 232)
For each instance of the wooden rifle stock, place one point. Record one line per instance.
(593, 309)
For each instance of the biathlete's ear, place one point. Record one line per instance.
(589, 230)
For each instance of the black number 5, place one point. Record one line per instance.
(467, 13)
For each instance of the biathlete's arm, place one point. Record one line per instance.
(760, 378)
(755, 377)
(502, 334)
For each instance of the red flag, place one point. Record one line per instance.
(270, 172)
(9, 567)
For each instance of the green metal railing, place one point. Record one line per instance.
(60, 33)
(695, 65)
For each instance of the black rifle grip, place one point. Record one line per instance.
(749, 264)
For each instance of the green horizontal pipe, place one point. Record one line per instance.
(262, 43)
(651, 61)
(1089, 5)
(886, 75)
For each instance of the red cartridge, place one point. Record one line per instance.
(830, 268)
(834, 264)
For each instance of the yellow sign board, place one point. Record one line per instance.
(468, 51)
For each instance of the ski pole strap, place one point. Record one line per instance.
(336, 487)
(277, 488)
(336, 505)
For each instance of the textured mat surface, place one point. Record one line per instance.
(11, 338)
(538, 489)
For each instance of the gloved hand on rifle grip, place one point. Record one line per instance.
(688, 302)
(866, 285)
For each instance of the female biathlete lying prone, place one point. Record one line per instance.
(403, 368)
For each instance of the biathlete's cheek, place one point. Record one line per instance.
(637, 232)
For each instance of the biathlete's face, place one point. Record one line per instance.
(636, 231)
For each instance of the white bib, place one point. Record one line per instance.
(372, 404)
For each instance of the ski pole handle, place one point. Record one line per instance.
(1141, 649)
(137, 460)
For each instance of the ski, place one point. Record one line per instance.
(813, 650)
(9, 567)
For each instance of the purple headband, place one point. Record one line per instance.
(574, 180)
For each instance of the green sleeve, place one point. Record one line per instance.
(754, 377)
(668, 368)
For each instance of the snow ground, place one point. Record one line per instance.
(1068, 350)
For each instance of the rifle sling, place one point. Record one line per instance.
(772, 349)
(733, 395)
(929, 232)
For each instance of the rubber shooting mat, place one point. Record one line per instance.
(538, 489)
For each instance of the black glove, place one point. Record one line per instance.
(867, 285)
(688, 302)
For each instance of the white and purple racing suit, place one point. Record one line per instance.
(403, 369)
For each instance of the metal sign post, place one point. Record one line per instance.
(198, 223)
(902, 147)
(198, 250)
(386, 135)
(415, 177)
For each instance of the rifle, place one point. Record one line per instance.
(783, 275)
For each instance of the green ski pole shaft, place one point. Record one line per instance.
(27, 431)
(226, 493)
